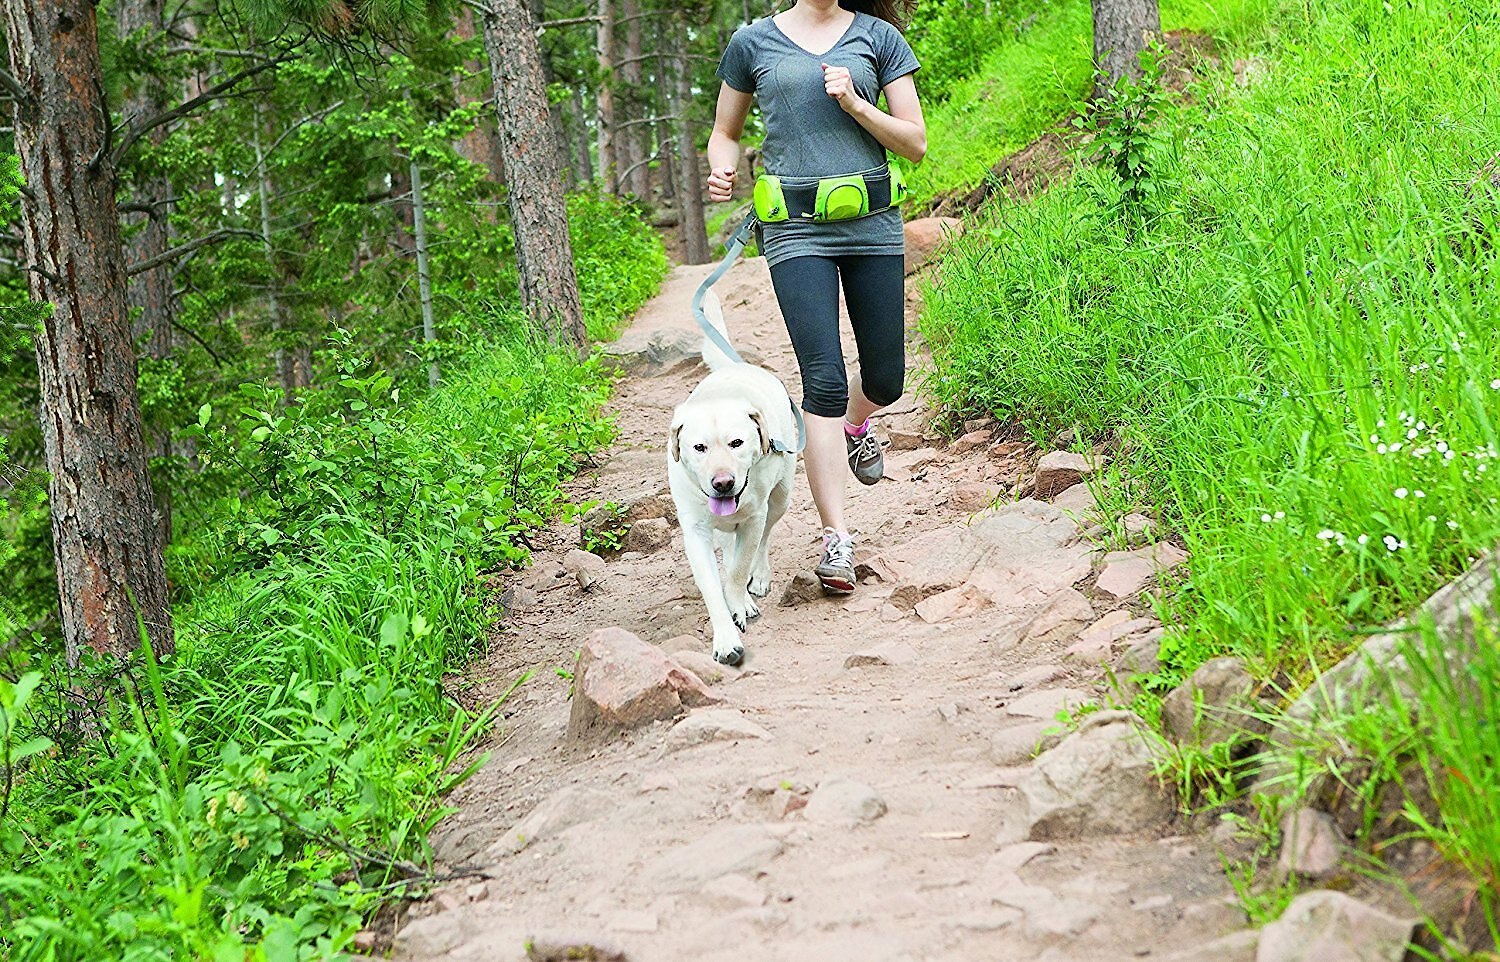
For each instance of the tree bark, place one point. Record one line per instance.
(1122, 29)
(583, 162)
(636, 143)
(424, 272)
(689, 189)
(538, 207)
(481, 145)
(608, 162)
(105, 530)
(286, 361)
(538, 10)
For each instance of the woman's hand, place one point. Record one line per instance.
(721, 184)
(839, 86)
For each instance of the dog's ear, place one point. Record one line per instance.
(760, 429)
(675, 445)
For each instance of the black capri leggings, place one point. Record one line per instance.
(807, 288)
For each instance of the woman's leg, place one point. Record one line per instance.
(875, 292)
(807, 291)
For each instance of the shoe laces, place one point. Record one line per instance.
(838, 549)
(866, 446)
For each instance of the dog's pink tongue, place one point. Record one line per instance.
(723, 507)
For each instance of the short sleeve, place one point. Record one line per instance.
(735, 67)
(896, 59)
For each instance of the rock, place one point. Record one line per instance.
(1042, 674)
(1058, 471)
(925, 236)
(951, 605)
(1018, 744)
(1047, 703)
(577, 560)
(622, 682)
(364, 941)
(1217, 704)
(1066, 609)
(477, 891)
(785, 801)
(1077, 500)
(1127, 573)
(1326, 926)
(972, 441)
(883, 654)
(904, 440)
(844, 802)
(648, 535)
(718, 850)
(878, 569)
(1099, 780)
(566, 948)
(973, 497)
(1311, 845)
(652, 506)
(1140, 658)
(556, 813)
(712, 725)
(433, 936)
(1096, 642)
(710, 672)
(805, 587)
(646, 354)
(1139, 529)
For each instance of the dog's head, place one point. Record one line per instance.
(718, 442)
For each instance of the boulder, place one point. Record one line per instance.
(1217, 704)
(713, 725)
(645, 354)
(1311, 845)
(622, 682)
(844, 802)
(1068, 609)
(648, 535)
(1100, 780)
(1326, 926)
(1058, 471)
(926, 236)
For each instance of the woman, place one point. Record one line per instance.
(819, 70)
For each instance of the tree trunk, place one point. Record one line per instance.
(538, 11)
(286, 361)
(424, 273)
(637, 140)
(479, 146)
(1122, 29)
(538, 207)
(583, 162)
(689, 189)
(105, 530)
(608, 162)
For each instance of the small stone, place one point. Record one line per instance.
(646, 354)
(889, 613)
(622, 682)
(1326, 926)
(364, 941)
(805, 587)
(950, 605)
(1047, 703)
(1019, 744)
(972, 441)
(632, 556)
(1127, 573)
(579, 560)
(1099, 780)
(1311, 845)
(979, 424)
(882, 655)
(844, 802)
(648, 535)
(925, 236)
(904, 440)
(553, 948)
(784, 802)
(1066, 609)
(710, 672)
(1096, 642)
(586, 579)
(1058, 471)
(1139, 659)
(1076, 501)
(1139, 529)
(712, 725)
(976, 496)
(1035, 675)
(477, 891)
(877, 569)
(1217, 704)
(652, 506)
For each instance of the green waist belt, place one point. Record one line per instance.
(828, 199)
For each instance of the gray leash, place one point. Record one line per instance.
(732, 252)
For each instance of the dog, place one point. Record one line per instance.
(728, 475)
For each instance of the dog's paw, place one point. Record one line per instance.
(760, 583)
(730, 656)
(745, 614)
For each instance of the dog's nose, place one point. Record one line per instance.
(723, 483)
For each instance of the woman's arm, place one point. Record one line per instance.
(902, 131)
(724, 142)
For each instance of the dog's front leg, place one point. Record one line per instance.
(698, 543)
(747, 542)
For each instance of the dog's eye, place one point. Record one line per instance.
(736, 443)
(700, 448)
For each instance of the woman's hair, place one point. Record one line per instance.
(895, 12)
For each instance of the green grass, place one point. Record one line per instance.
(1030, 81)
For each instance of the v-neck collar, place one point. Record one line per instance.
(836, 44)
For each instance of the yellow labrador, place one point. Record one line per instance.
(729, 473)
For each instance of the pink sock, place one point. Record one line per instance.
(855, 431)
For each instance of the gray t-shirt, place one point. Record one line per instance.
(808, 135)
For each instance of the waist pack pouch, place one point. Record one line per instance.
(828, 198)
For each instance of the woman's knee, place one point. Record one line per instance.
(884, 385)
(825, 390)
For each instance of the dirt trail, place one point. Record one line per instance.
(699, 852)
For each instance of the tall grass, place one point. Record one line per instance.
(1297, 343)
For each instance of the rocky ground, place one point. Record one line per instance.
(868, 786)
